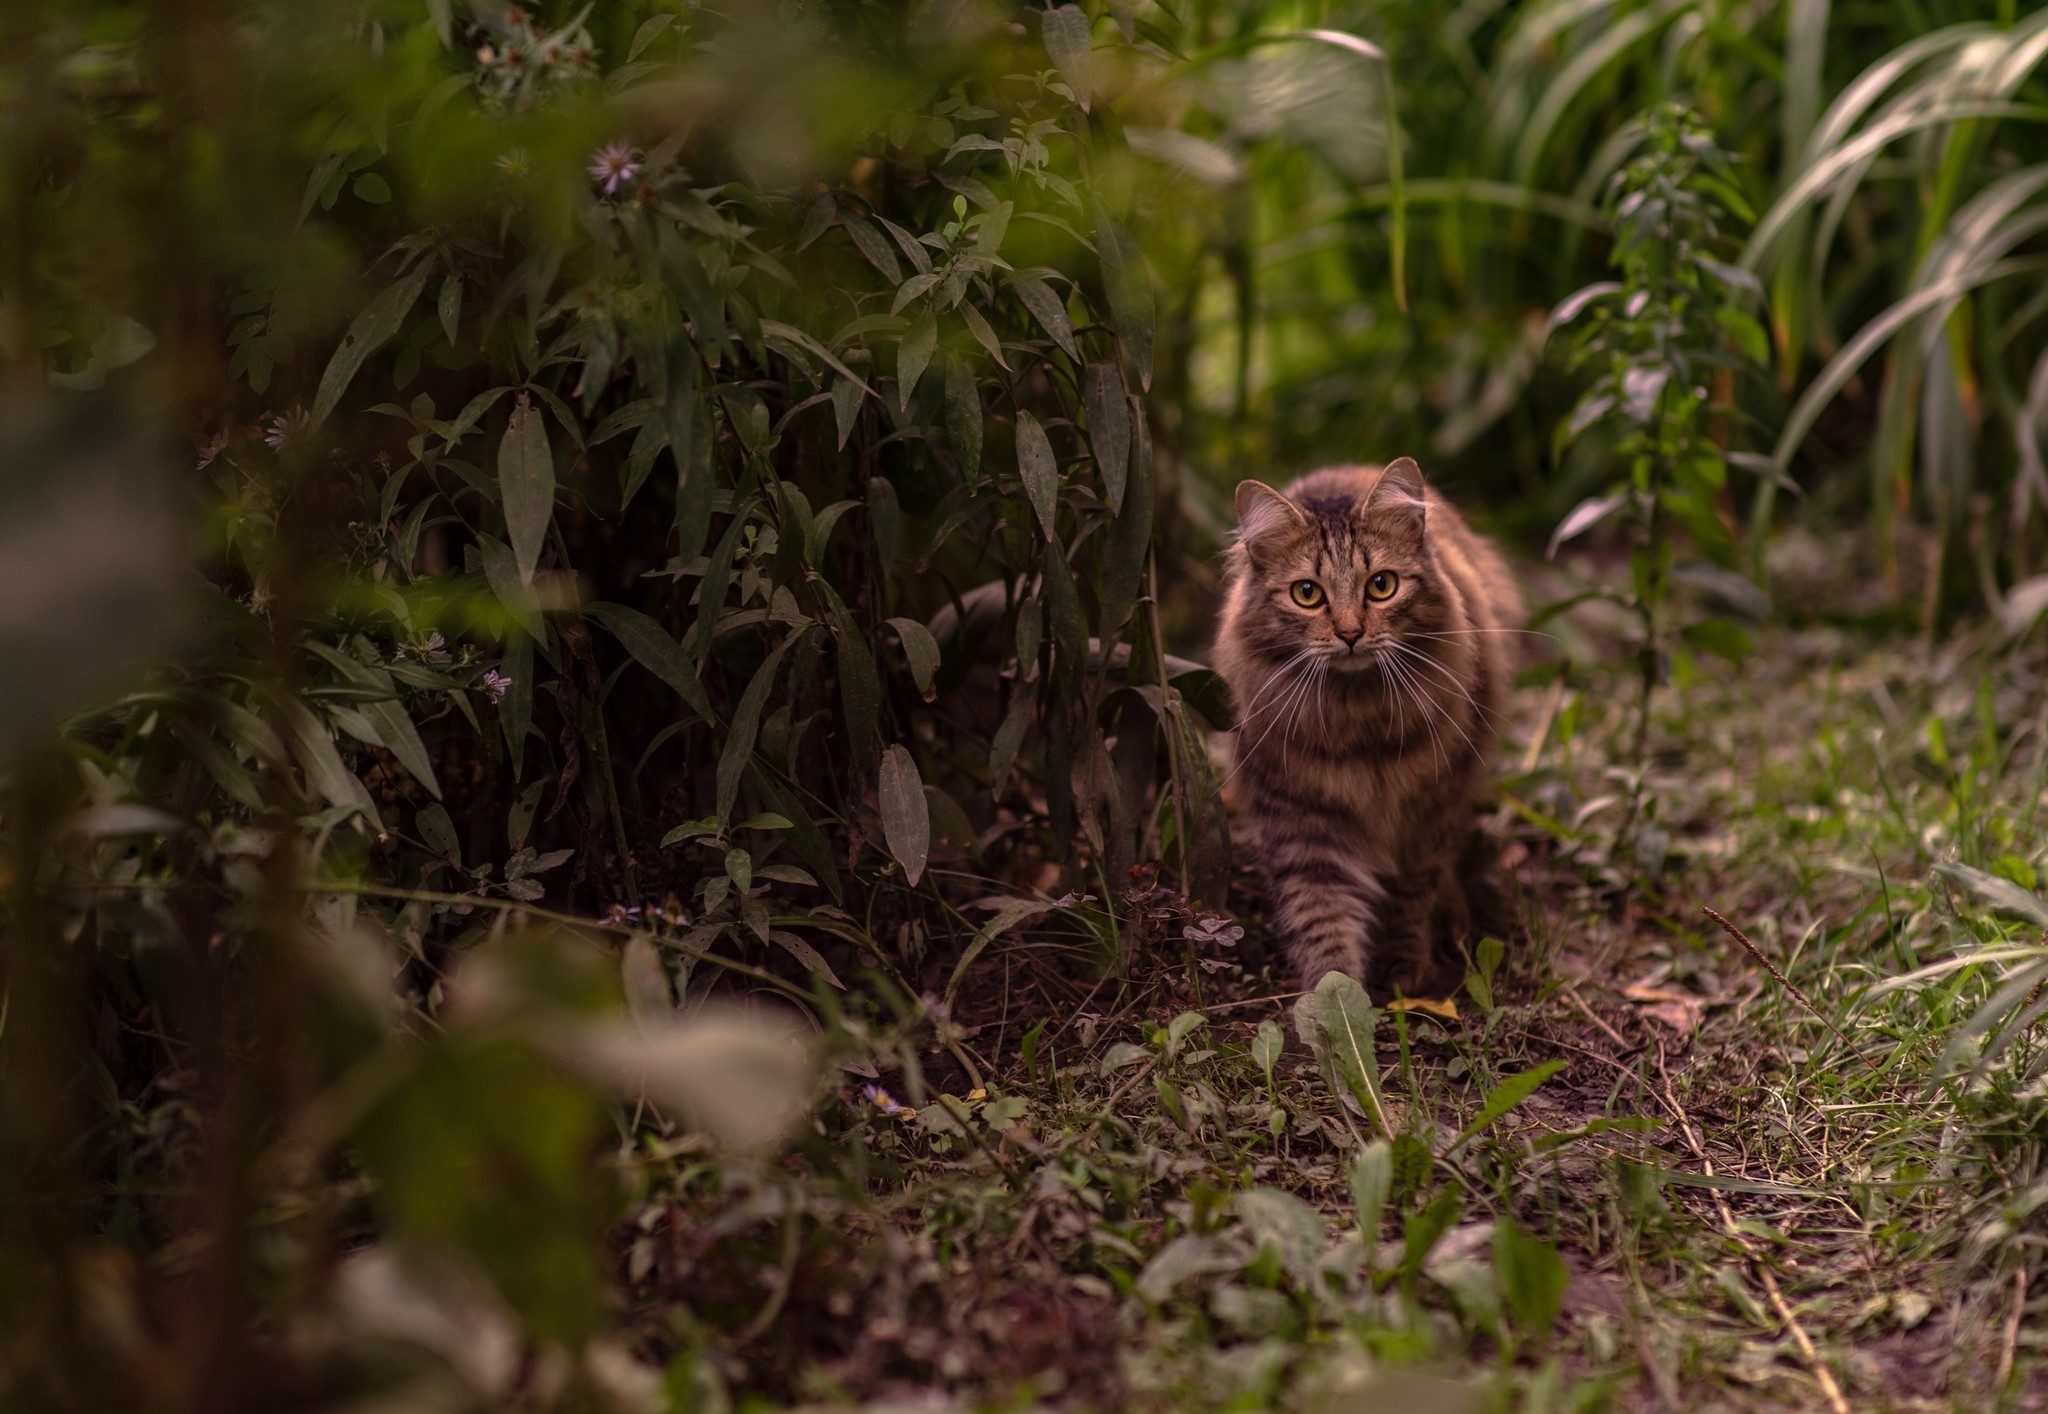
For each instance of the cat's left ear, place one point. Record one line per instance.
(1401, 477)
(1400, 488)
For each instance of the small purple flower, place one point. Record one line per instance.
(614, 165)
(436, 650)
(885, 1102)
(515, 162)
(212, 447)
(286, 428)
(495, 684)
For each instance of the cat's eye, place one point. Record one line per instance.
(1382, 585)
(1307, 593)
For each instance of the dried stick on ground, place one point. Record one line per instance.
(1787, 983)
(1825, 1377)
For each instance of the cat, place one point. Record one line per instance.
(1366, 636)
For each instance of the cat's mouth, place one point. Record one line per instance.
(1353, 658)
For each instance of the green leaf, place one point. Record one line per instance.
(1347, 1018)
(914, 354)
(648, 32)
(1266, 1048)
(1129, 286)
(1724, 638)
(1289, 1226)
(1069, 39)
(746, 725)
(1040, 471)
(906, 817)
(372, 188)
(371, 329)
(403, 741)
(655, 651)
(2003, 895)
(526, 480)
(1532, 1278)
(325, 773)
(1127, 548)
(438, 830)
(964, 418)
(1109, 427)
(1372, 1183)
(1048, 309)
(449, 307)
(1008, 916)
(1180, 1028)
(923, 652)
(1505, 1096)
(860, 686)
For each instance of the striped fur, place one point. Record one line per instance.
(1366, 727)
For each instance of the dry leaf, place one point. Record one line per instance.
(1678, 1010)
(1445, 1009)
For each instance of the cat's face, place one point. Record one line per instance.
(1344, 577)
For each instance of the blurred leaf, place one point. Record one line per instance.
(1068, 39)
(743, 1077)
(93, 582)
(1289, 1226)
(2002, 895)
(1129, 285)
(485, 1147)
(1532, 1278)
(1587, 514)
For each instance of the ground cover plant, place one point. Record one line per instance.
(608, 792)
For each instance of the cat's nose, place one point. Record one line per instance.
(1351, 636)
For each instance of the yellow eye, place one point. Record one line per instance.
(1382, 585)
(1306, 592)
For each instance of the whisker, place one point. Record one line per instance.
(1424, 660)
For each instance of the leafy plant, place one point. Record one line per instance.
(1660, 347)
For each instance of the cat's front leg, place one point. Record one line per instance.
(1326, 911)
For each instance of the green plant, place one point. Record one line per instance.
(1653, 345)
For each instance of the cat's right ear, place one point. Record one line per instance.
(1265, 517)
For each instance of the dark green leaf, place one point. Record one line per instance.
(1506, 1095)
(913, 354)
(655, 651)
(1068, 40)
(1129, 286)
(1049, 310)
(922, 650)
(1041, 473)
(906, 819)
(1109, 427)
(526, 480)
(746, 725)
(371, 329)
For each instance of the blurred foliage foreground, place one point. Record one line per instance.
(695, 515)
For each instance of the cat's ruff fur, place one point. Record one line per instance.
(1362, 763)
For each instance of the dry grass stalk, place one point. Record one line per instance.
(1788, 984)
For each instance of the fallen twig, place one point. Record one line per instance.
(1787, 983)
(1821, 1373)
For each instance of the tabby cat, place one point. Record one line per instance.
(1366, 636)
